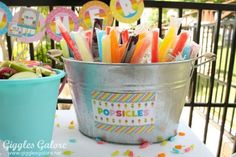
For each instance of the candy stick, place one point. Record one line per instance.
(65, 50)
(108, 29)
(98, 24)
(142, 35)
(183, 37)
(122, 50)
(186, 52)
(166, 44)
(100, 35)
(115, 57)
(89, 35)
(129, 51)
(140, 50)
(106, 49)
(125, 36)
(82, 46)
(195, 50)
(69, 40)
(4, 50)
(155, 36)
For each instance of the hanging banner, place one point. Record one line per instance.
(127, 11)
(27, 26)
(5, 18)
(67, 17)
(93, 9)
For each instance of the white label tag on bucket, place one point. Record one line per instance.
(124, 109)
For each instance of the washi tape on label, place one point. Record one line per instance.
(129, 113)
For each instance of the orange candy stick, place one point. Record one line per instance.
(140, 50)
(115, 57)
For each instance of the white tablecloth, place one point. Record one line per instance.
(77, 145)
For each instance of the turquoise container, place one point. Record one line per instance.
(27, 112)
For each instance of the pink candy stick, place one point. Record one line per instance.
(69, 40)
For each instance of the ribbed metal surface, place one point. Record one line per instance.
(169, 82)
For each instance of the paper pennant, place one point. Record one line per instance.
(26, 32)
(68, 18)
(28, 18)
(127, 11)
(95, 9)
(5, 18)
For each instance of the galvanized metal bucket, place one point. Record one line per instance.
(128, 103)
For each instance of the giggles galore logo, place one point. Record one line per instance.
(25, 145)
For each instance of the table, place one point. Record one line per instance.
(78, 145)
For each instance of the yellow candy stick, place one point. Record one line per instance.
(166, 44)
(106, 49)
(114, 47)
(82, 46)
(65, 50)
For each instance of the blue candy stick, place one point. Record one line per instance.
(186, 52)
(100, 34)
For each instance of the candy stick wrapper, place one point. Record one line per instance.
(65, 49)
(100, 35)
(183, 37)
(115, 56)
(106, 49)
(69, 40)
(129, 51)
(141, 49)
(155, 37)
(139, 29)
(82, 46)
(175, 22)
(98, 23)
(195, 49)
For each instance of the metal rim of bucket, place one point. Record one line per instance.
(60, 74)
(128, 64)
(209, 56)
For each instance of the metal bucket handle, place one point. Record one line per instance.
(209, 56)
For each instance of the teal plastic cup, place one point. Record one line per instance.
(27, 112)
